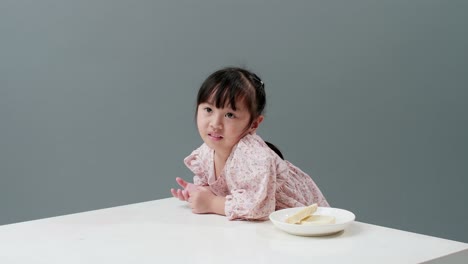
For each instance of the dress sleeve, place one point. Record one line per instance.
(252, 185)
(197, 163)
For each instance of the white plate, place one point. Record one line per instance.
(343, 219)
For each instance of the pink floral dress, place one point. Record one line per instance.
(255, 180)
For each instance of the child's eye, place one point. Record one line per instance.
(229, 115)
(207, 109)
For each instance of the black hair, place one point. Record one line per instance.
(226, 86)
(275, 149)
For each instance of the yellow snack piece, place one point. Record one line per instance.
(301, 214)
(318, 220)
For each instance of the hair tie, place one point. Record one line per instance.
(256, 78)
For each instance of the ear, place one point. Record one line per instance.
(255, 124)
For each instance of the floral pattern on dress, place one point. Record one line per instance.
(255, 180)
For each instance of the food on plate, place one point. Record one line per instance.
(318, 220)
(306, 216)
(301, 214)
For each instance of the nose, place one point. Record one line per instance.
(216, 122)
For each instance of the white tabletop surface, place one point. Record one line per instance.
(166, 231)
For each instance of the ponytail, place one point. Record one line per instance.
(275, 149)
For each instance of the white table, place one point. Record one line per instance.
(166, 231)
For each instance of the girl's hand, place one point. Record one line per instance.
(184, 194)
(203, 201)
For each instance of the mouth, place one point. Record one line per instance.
(215, 136)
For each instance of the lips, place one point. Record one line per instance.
(215, 136)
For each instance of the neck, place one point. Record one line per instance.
(219, 162)
(221, 156)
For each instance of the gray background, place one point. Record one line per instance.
(368, 97)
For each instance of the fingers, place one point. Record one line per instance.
(174, 193)
(185, 194)
(182, 195)
(181, 182)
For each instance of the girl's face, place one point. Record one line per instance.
(222, 128)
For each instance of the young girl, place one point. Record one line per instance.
(237, 174)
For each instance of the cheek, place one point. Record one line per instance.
(199, 124)
(199, 117)
(237, 130)
(201, 121)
